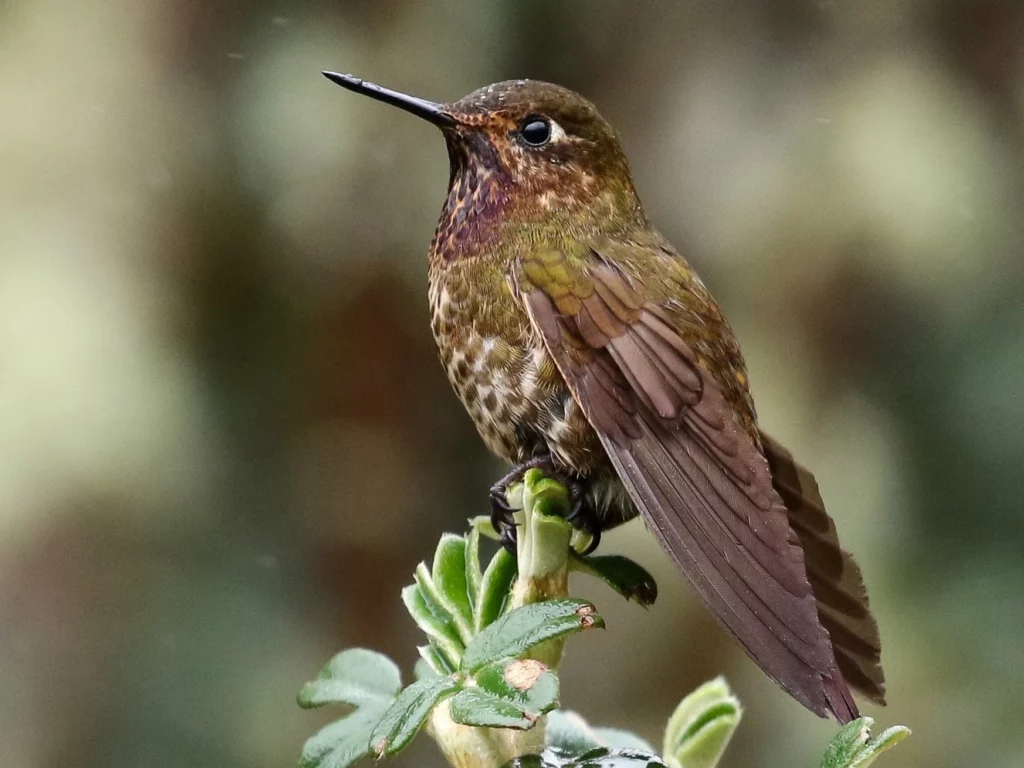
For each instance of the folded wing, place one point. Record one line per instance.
(698, 478)
(835, 578)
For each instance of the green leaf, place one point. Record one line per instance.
(616, 738)
(342, 743)
(514, 497)
(434, 621)
(619, 758)
(544, 495)
(623, 575)
(511, 693)
(887, 739)
(602, 757)
(473, 575)
(422, 669)
(482, 525)
(473, 706)
(702, 725)
(452, 587)
(844, 745)
(570, 735)
(406, 715)
(357, 677)
(544, 544)
(495, 587)
(852, 747)
(436, 660)
(518, 631)
(438, 604)
(544, 555)
(527, 683)
(547, 760)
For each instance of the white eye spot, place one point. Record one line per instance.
(557, 132)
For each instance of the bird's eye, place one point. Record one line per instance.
(536, 132)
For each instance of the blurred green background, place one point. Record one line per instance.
(226, 441)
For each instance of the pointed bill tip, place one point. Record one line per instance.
(428, 110)
(345, 81)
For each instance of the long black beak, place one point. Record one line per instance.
(428, 110)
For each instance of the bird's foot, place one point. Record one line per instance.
(502, 515)
(581, 515)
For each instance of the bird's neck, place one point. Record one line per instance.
(488, 210)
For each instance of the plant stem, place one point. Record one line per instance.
(543, 560)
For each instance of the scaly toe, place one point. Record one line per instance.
(507, 537)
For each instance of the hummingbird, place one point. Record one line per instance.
(581, 342)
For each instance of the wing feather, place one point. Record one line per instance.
(834, 576)
(699, 479)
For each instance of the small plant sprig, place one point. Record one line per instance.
(487, 687)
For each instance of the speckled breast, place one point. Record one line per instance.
(502, 372)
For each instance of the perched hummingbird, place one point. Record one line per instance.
(580, 341)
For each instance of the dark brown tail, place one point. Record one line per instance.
(835, 578)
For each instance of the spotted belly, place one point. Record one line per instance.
(515, 395)
(513, 391)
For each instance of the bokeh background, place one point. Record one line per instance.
(225, 441)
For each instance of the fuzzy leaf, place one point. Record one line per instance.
(702, 725)
(422, 669)
(570, 735)
(601, 757)
(473, 706)
(616, 738)
(438, 605)
(356, 677)
(509, 694)
(437, 661)
(623, 575)
(342, 743)
(406, 715)
(547, 760)
(514, 497)
(526, 683)
(518, 631)
(434, 621)
(619, 758)
(449, 579)
(495, 586)
(544, 552)
(473, 574)
(482, 525)
(852, 747)
(544, 495)
(844, 745)
(887, 739)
